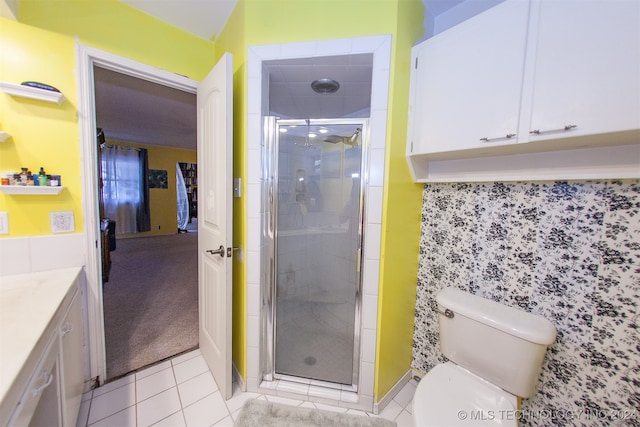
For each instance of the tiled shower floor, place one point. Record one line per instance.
(313, 342)
(182, 392)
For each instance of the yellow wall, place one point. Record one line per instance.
(232, 40)
(285, 21)
(47, 134)
(163, 207)
(116, 27)
(401, 217)
(43, 134)
(113, 26)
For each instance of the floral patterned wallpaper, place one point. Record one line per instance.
(569, 251)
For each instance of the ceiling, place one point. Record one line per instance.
(291, 95)
(132, 110)
(206, 18)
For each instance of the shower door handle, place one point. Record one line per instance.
(220, 251)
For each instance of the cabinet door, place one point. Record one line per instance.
(40, 403)
(72, 339)
(587, 68)
(468, 81)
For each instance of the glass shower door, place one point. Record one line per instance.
(317, 248)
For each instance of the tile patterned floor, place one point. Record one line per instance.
(182, 392)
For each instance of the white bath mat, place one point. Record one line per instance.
(261, 413)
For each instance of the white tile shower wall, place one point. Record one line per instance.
(380, 46)
(569, 251)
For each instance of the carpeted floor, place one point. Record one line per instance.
(151, 301)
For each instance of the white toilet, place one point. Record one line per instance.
(495, 354)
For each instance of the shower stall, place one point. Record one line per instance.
(313, 240)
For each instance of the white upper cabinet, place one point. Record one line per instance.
(467, 81)
(585, 59)
(529, 89)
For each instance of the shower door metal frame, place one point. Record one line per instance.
(269, 228)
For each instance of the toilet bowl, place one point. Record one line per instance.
(495, 354)
(449, 395)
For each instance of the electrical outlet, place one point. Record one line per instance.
(62, 222)
(4, 223)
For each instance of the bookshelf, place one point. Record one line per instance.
(190, 175)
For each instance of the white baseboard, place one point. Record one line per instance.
(242, 385)
(387, 398)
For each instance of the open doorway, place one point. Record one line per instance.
(150, 300)
(214, 95)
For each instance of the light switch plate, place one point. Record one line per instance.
(62, 222)
(4, 223)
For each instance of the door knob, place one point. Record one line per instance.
(220, 251)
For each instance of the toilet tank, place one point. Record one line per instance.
(503, 345)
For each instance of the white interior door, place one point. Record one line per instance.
(215, 151)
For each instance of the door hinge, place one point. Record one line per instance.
(94, 382)
(416, 66)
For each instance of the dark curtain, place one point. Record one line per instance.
(144, 215)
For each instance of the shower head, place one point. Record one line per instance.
(354, 138)
(355, 135)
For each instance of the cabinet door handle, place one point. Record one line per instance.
(564, 129)
(507, 136)
(49, 379)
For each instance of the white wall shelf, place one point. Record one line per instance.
(30, 190)
(4, 136)
(32, 92)
(611, 162)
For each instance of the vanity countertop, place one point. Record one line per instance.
(28, 305)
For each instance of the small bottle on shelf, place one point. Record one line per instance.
(23, 176)
(7, 178)
(43, 180)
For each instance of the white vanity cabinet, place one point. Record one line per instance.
(466, 83)
(40, 403)
(72, 361)
(566, 72)
(42, 352)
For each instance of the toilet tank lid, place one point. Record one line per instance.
(517, 322)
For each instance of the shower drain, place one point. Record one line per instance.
(309, 360)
